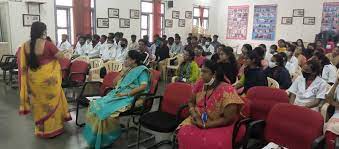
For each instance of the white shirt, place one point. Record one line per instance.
(176, 48)
(107, 53)
(316, 90)
(329, 73)
(81, 50)
(95, 51)
(64, 46)
(268, 56)
(121, 54)
(292, 65)
(133, 45)
(210, 48)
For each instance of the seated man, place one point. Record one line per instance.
(82, 47)
(64, 44)
(96, 45)
(121, 51)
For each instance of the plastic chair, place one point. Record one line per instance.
(113, 66)
(272, 83)
(179, 58)
(82, 58)
(294, 127)
(7, 63)
(261, 100)
(94, 72)
(170, 112)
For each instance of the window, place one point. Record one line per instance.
(196, 17)
(147, 19)
(64, 19)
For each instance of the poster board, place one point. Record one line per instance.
(264, 22)
(330, 17)
(237, 22)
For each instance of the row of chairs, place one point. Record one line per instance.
(8, 63)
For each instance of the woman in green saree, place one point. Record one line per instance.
(102, 126)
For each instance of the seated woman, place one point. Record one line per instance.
(199, 58)
(308, 89)
(188, 70)
(299, 55)
(334, 56)
(102, 125)
(292, 62)
(228, 64)
(278, 72)
(329, 71)
(214, 108)
(332, 127)
(281, 46)
(253, 74)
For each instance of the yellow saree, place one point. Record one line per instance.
(41, 91)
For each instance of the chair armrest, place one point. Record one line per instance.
(319, 142)
(84, 87)
(4, 57)
(254, 127)
(337, 143)
(179, 112)
(107, 90)
(136, 97)
(237, 126)
(155, 97)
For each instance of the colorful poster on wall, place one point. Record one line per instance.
(330, 20)
(237, 22)
(264, 22)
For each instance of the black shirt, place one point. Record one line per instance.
(254, 77)
(161, 53)
(229, 70)
(281, 75)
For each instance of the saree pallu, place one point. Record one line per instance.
(102, 119)
(192, 137)
(41, 91)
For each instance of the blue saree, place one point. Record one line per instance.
(102, 126)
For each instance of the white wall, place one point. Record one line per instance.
(124, 7)
(312, 8)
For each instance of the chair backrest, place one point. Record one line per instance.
(292, 126)
(68, 55)
(272, 83)
(78, 67)
(155, 77)
(108, 82)
(262, 99)
(175, 95)
(95, 63)
(64, 63)
(82, 58)
(113, 66)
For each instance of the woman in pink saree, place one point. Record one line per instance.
(214, 108)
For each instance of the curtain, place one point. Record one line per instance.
(156, 17)
(201, 8)
(82, 17)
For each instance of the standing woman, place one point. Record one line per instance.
(214, 108)
(40, 83)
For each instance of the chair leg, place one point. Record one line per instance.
(127, 129)
(138, 136)
(77, 116)
(163, 142)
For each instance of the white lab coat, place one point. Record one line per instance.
(64, 46)
(292, 65)
(329, 73)
(107, 53)
(316, 90)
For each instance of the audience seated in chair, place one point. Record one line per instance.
(278, 72)
(188, 70)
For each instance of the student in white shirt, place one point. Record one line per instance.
(96, 46)
(332, 127)
(64, 44)
(309, 89)
(133, 45)
(292, 61)
(107, 53)
(208, 48)
(81, 47)
(329, 71)
(122, 50)
(268, 55)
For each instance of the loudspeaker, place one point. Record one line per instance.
(170, 4)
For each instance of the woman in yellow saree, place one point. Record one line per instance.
(40, 83)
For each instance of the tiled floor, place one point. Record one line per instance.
(17, 131)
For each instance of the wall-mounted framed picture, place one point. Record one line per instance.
(124, 23)
(168, 23)
(181, 23)
(113, 13)
(102, 22)
(175, 14)
(309, 21)
(287, 20)
(134, 14)
(29, 19)
(188, 14)
(298, 12)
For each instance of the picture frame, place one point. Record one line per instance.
(188, 14)
(102, 23)
(298, 12)
(29, 19)
(113, 13)
(175, 14)
(309, 21)
(181, 23)
(287, 20)
(124, 23)
(168, 23)
(134, 14)
(33, 8)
